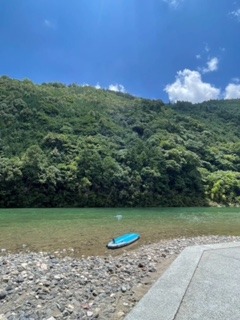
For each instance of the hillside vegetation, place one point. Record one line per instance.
(78, 146)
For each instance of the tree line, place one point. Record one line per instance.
(73, 146)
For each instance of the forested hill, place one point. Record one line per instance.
(78, 146)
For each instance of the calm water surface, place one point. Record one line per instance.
(88, 231)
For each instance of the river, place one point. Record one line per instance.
(86, 231)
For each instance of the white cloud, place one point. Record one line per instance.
(173, 3)
(97, 86)
(236, 80)
(232, 91)
(212, 65)
(113, 87)
(190, 87)
(198, 56)
(117, 88)
(49, 24)
(207, 49)
(236, 14)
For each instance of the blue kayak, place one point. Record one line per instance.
(123, 240)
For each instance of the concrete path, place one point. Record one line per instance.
(203, 283)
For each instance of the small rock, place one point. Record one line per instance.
(9, 287)
(96, 312)
(120, 314)
(24, 265)
(70, 308)
(44, 266)
(89, 313)
(123, 289)
(3, 294)
(152, 269)
(68, 293)
(66, 313)
(5, 278)
(46, 283)
(20, 279)
(85, 306)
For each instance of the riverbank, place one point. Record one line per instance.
(47, 287)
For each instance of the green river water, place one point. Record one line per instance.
(87, 231)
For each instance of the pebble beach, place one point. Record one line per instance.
(49, 286)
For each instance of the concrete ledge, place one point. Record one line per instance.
(164, 299)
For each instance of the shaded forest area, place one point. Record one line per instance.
(73, 146)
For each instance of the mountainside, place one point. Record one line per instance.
(79, 146)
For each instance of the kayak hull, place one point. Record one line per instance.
(124, 240)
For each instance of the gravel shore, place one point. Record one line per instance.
(49, 287)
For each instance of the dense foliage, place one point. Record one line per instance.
(79, 146)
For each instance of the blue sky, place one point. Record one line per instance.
(162, 49)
